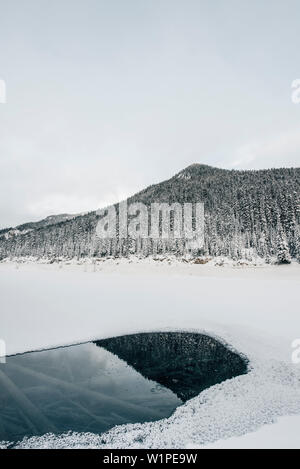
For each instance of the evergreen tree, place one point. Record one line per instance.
(283, 253)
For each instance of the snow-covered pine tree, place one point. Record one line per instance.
(283, 253)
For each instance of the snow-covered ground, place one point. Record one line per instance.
(284, 434)
(254, 309)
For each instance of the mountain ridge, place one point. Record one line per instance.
(247, 212)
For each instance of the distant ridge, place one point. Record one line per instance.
(25, 227)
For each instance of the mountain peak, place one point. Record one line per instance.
(195, 170)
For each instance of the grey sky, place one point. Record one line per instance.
(107, 97)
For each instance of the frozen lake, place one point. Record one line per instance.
(255, 310)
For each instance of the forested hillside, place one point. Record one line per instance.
(247, 213)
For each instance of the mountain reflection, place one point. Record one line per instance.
(186, 363)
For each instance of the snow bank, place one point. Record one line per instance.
(255, 310)
(283, 434)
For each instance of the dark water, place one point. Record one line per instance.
(185, 363)
(93, 387)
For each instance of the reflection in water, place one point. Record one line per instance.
(86, 388)
(186, 363)
(81, 388)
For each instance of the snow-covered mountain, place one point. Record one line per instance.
(246, 213)
(7, 233)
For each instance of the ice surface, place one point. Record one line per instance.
(255, 310)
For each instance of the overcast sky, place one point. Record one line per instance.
(105, 97)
